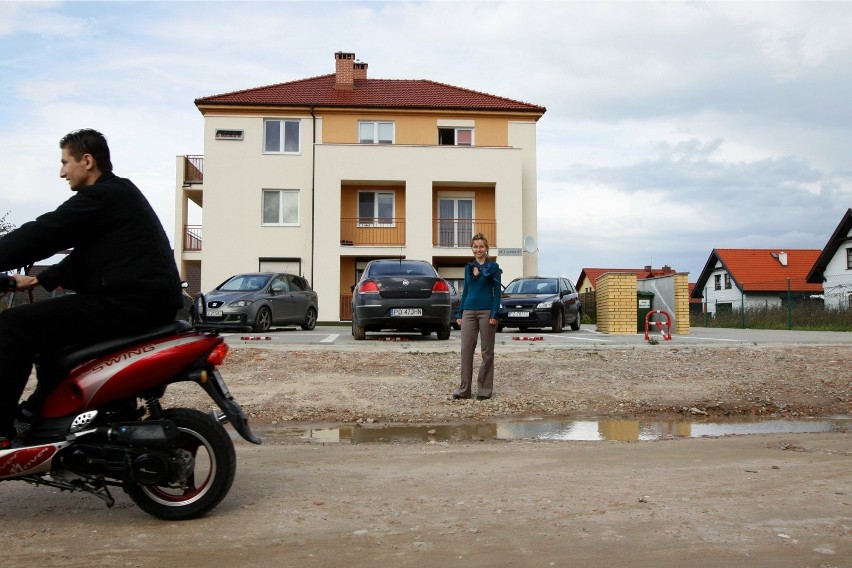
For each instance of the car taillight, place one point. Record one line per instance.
(217, 356)
(440, 286)
(368, 287)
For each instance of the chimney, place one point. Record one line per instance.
(360, 70)
(782, 258)
(667, 268)
(647, 268)
(344, 72)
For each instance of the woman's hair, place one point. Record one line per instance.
(480, 237)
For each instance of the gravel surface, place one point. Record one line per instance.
(414, 386)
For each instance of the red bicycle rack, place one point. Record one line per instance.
(667, 333)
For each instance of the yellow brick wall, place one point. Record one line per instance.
(681, 285)
(616, 303)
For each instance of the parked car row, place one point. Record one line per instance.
(399, 294)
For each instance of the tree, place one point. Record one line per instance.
(5, 226)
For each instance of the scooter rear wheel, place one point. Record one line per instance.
(209, 481)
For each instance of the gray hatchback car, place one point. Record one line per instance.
(257, 301)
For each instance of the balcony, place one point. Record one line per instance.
(193, 170)
(386, 232)
(192, 238)
(457, 233)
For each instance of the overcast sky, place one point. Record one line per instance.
(671, 128)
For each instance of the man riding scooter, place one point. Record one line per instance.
(121, 269)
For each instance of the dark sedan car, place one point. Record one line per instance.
(405, 295)
(537, 301)
(257, 301)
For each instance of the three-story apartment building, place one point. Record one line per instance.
(319, 176)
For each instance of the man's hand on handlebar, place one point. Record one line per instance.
(12, 282)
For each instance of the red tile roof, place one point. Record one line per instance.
(371, 93)
(641, 273)
(760, 270)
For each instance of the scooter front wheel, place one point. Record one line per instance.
(211, 476)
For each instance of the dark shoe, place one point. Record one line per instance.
(460, 396)
(482, 397)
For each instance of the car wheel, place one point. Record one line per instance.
(455, 326)
(575, 325)
(262, 321)
(444, 332)
(310, 320)
(358, 331)
(558, 320)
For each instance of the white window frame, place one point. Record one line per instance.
(456, 229)
(281, 221)
(727, 281)
(375, 218)
(375, 136)
(282, 135)
(456, 130)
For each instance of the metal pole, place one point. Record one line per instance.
(789, 307)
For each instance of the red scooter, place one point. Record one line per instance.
(95, 421)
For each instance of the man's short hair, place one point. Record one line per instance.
(88, 141)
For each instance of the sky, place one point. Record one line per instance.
(671, 128)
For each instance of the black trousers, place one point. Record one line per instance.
(51, 325)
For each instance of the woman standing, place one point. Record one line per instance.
(478, 307)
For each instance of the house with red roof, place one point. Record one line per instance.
(733, 278)
(319, 176)
(833, 267)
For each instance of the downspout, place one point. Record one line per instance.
(313, 189)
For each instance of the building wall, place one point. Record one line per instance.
(417, 169)
(616, 303)
(838, 279)
(235, 174)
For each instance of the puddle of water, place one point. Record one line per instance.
(557, 429)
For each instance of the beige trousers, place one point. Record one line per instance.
(475, 324)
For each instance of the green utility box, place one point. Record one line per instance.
(644, 300)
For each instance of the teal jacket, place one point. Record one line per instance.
(481, 292)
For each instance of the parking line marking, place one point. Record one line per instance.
(330, 338)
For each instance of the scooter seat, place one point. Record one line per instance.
(70, 357)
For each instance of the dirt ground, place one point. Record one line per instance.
(757, 500)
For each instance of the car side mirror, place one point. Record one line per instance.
(277, 288)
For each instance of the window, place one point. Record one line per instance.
(455, 221)
(375, 209)
(375, 132)
(280, 207)
(727, 281)
(849, 258)
(455, 136)
(229, 134)
(717, 282)
(281, 136)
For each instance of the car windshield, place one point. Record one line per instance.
(403, 268)
(245, 283)
(532, 286)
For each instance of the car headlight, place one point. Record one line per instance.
(545, 305)
(240, 303)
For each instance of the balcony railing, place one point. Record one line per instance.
(359, 231)
(193, 169)
(457, 233)
(192, 238)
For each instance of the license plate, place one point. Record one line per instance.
(214, 313)
(406, 312)
(519, 314)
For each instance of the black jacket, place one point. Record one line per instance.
(120, 249)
